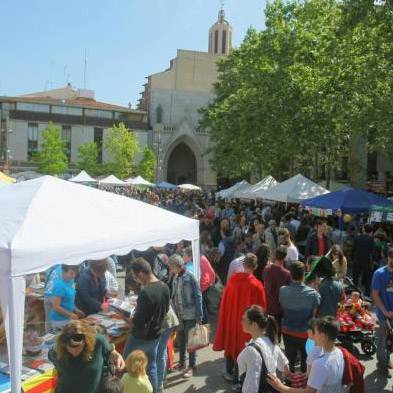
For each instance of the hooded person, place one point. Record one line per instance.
(242, 291)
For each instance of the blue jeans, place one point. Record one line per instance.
(150, 348)
(383, 355)
(185, 327)
(162, 356)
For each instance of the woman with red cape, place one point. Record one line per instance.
(242, 291)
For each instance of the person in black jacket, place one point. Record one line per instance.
(363, 249)
(148, 319)
(91, 288)
(318, 243)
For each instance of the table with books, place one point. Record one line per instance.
(38, 373)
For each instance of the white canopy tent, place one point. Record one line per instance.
(293, 190)
(139, 181)
(83, 177)
(252, 191)
(189, 187)
(230, 192)
(112, 180)
(48, 221)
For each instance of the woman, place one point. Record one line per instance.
(80, 357)
(263, 255)
(63, 298)
(187, 303)
(339, 262)
(264, 333)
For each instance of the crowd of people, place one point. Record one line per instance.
(256, 282)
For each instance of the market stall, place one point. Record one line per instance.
(381, 214)
(229, 192)
(48, 221)
(348, 201)
(166, 186)
(293, 190)
(253, 191)
(139, 181)
(83, 177)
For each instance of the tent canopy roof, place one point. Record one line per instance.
(229, 192)
(47, 221)
(83, 177)
(293, 190)
(348, 200)
(252, 192)
(139, 181)
(112, 180)
(189, 187)
(167, 185)
(6, 179)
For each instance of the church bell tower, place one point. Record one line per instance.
(220, 36)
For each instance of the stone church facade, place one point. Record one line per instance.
(173, 98)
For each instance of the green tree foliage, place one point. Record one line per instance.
(52, 158)
(87, 157)
(122, 145)
(147, 165)
(294, 96)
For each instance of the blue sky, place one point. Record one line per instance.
(43, 41)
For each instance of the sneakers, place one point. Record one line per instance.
(228, 377)
(188, 373)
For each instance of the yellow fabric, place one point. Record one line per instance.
(6, 179)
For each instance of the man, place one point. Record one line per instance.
(91, 288)
(326, 372)
(150, 312)
(227, 248)
(292, 252)
(363, 250)
(242, 291)
(259, 236)
(382, 294)
(318, 243)
(187, 258)
(187, 303)
(236, 266)
(276, 276)
(271, 237)
(299, 304)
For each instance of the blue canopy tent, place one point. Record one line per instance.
(348, 200)
(166, 185)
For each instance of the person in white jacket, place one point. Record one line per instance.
(262, 354)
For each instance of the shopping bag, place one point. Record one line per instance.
(198, 337)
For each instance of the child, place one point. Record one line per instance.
(316, 351)
(135, 380)
(112, 385)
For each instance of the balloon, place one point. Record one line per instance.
(310, 344)
(347, 218)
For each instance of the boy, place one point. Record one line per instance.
(327, 370)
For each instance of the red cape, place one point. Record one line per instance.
(242, 291)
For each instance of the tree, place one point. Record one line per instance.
(122, 145)
(87, 157)
(52, 157)
(147, 165)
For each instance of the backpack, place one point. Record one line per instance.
(264, 386)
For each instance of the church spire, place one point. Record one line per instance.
(220, 35)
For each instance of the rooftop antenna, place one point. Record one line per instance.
(84, 71)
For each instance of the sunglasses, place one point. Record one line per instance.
(74, 340)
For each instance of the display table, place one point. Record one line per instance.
(38, 373)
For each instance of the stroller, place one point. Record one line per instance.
(355, 329)
(351, 330)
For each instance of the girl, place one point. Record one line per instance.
(264, 333)
(339, 262)
(135, 380)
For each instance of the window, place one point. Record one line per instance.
(67, 110)
(216, 41)
(159, 114)
(25, 106)
(32, 140)
(66, 135)
(224, 42)
(98, 113)
(98, 137)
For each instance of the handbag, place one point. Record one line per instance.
(198, 338)
(264, 386)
